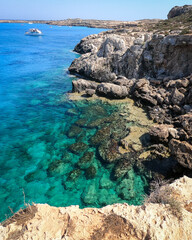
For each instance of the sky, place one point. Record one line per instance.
(127, 10)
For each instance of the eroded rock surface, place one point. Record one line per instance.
(153, 69)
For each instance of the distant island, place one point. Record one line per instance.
(88, 22)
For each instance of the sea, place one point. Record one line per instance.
(50, 145)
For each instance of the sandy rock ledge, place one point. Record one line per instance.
(118, 221)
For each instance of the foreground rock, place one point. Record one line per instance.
(118, 221)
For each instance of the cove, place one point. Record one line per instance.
(52, 149)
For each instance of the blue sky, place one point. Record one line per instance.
(87, 9)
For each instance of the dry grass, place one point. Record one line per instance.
(22, 216)
(163, 193)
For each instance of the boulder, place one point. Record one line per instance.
(186, 122)
(141, 83)
(161, 132)
(177, 97)
(182, 152)
(178, 83)
(111, 90)
(90, 92)
(82, 84)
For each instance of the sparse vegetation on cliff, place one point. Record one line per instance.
(180, 24)
(163, 193)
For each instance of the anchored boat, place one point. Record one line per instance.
(34, 32)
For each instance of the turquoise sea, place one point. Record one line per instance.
(51, 147)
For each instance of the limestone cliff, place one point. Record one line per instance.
(133, 55)
(154, 69)
(118, 221)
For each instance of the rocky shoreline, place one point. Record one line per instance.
(154, 70)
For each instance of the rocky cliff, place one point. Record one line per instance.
(154, 69)
(133, 55)
(155, 221)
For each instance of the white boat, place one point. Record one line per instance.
(30, 23)
(34, 32)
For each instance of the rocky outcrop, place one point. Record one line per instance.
(177, 11)
(155, 70)
(182, 152)
(119, 221)
(133, 55)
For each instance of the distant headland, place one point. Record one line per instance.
(92, 23)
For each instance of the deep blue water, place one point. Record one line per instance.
(38, 124)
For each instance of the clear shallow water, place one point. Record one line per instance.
(38, 125)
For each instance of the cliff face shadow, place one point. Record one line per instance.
(116, 227)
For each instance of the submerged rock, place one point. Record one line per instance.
(105, 197)
(90, 172)
(105, 182)
(78, 147)
(119, 129)
(86, 160)
(74, 131)
(58, 167)
(109, 151)
(101, 135)
(81, 122)
(72, 112)
(74, 175)
(122, 167)
(126, 189)
(89, 196)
